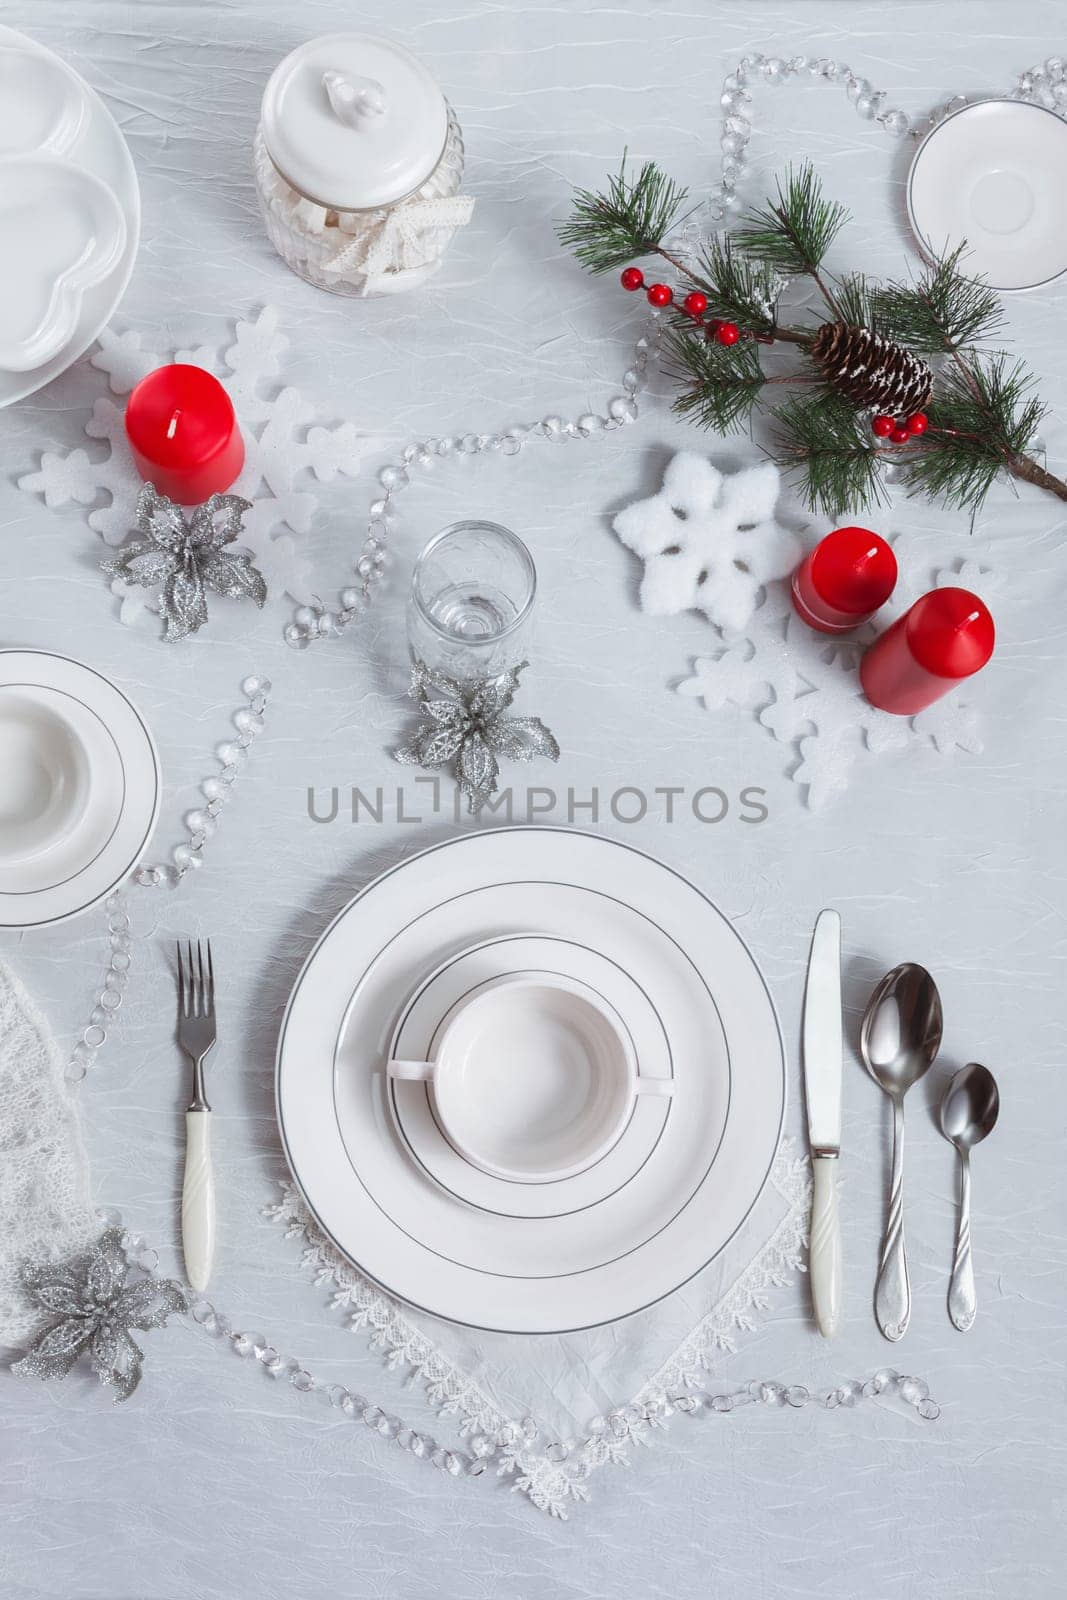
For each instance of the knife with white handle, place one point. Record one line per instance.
(822, 1050)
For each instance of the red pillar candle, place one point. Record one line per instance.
(948, 635)
(183, 433)
(844, 580)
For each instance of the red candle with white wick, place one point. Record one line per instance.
(844, 580)
(183, 433)
(947, 636)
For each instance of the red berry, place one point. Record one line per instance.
(632, 278)
(660, 295)
(696, 303)
(918, 423)
(729, 333)
(900, 435)
(713, 329)
(882, 427)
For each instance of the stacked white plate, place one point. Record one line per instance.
(571, 912)
(69, 215)
(79, 787)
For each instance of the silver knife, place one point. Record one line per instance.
(822, 1087)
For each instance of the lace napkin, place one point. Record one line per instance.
(562, 1385)
(45, 1212)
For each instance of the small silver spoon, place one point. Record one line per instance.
(968, 1112)
(899, 1038)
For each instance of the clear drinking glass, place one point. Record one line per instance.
(472, 596)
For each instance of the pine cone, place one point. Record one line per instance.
(870, 370)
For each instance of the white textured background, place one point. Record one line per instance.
(214, 1483)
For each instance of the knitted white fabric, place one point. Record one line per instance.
(45, 1211)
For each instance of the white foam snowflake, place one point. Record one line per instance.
(806, 691)
(709, 540)
(286, 446)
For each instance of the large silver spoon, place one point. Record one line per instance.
(899, 1038)
(968, 1112)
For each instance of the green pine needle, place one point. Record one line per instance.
(855, 302)
(979, 421)
(631, 219)
(794, 235)
(720, 385)
(824, 437)
(942, 310)
(743, 291)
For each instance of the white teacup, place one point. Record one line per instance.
(44, 776)
(533, 1076)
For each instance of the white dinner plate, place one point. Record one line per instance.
(79, 126)
(412, 1105)
(86, 860)
(993, 175)
(538, 1274)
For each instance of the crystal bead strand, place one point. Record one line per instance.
(319, 622)
(1045, 84)
(200, 823)
(354, 1406)
(736, 104)
(110, 996)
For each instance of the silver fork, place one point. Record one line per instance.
(196, 1036)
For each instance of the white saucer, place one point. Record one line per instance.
(992, 175)
(535, 1274)
(412, 1106)
(75, 122)
(84, 861)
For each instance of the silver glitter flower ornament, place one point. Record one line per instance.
(466, 724)
(183, 560)
(96, 1309)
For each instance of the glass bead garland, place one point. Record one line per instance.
(200, 824)
(1045, 84)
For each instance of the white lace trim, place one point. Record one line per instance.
(553, 1473)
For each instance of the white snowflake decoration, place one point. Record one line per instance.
(709, 540)
(806, 689)
(285, 442)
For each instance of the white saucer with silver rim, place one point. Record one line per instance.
(992, 176)
(79, 787)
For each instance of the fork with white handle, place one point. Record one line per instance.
(196, 1036)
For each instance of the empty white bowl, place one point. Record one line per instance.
(533, 1077)
(44, 777)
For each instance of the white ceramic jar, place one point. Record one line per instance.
(359, 159)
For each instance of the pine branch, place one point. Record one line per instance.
(942, 310)
(720, 386)
(794, 235)
(983, 421)
(744, 291)
(855, 298)
(823, 437)
(630, 219)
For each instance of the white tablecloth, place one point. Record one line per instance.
(213, 1481)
